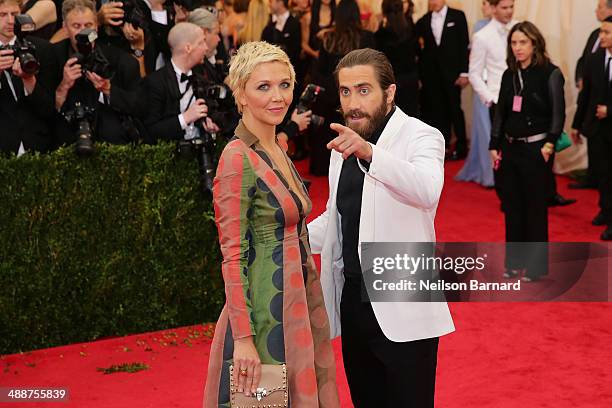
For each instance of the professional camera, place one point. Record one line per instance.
(23, 49)
(80, 117)
(219, 105)
(307, 99)
(133, 14)
(89, 56)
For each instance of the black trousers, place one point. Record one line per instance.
(595, 156)
(526, 180)
(604, 173)
(497, 174)
(441, 108)
(382, 373)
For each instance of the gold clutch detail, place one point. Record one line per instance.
(271, 392)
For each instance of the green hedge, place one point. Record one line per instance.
(120, 243)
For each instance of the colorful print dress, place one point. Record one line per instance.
(272, 288)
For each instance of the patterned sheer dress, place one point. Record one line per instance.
(272, 287)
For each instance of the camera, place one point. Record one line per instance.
(89, 56)
(307, 100)
(133, 14)
(219, 102)
(80, 117)
(23, 49)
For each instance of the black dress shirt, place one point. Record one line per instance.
(348, 201)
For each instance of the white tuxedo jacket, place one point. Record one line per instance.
(399, 201)
(488, 59)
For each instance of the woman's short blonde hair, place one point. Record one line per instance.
(248, 57)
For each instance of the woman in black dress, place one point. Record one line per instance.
(528, 121)
(396, 39)
(346, 36)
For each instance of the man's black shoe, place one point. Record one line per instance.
(599, 220)
(581, 185)
(560, 201)
(607, 234)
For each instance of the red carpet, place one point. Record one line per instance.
(502, 354)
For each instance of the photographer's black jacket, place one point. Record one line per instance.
(156, 35)
(29, 119)
(164, 98)
(113, 121)
(164, 105)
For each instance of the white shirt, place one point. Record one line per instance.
(160, 17)
(186, 100)
(489, 54)
(280, 20)
(7, 72)
(437, 23)
(608, 58)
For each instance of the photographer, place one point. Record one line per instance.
(97, 77)
(173, 110)
(26, 105)
(215, 69)
(139, 27)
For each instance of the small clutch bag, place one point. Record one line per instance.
(271, 392)
(563, 142)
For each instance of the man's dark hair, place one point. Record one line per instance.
(609, 19)
(375, 59)
(494, 3)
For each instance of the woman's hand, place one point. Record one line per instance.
(495, 159)
(247, 366)
(547, 151)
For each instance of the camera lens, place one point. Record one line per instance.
(84, 146)
(29, 63)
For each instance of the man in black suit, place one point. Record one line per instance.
(594, 119)
(173, 110)
(284, 30)
(26, 105)
(114, 100)
(603, 11)
(443, 67)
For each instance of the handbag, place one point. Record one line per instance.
(563, 142)
(271, 392)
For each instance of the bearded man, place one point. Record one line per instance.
(385, 178)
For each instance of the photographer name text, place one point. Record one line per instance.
(442, 285)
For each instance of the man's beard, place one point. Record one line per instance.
(372, 122)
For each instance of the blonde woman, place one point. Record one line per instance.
(274, 311)
(256, 20)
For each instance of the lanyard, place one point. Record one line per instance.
(521, 84)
